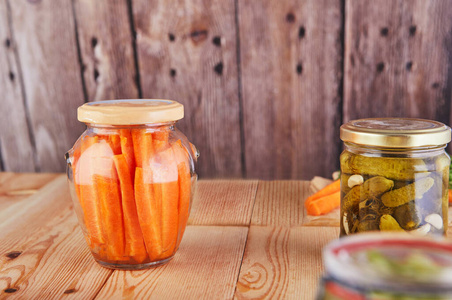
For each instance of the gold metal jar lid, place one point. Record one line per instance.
(395, 132)
(130, 112)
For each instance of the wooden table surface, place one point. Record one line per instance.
(246, 239)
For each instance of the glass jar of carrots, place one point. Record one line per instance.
(132, 178)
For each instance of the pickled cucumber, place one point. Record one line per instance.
(397, 193)
(372, 187)
(408, 215)
(389, 167)
(388, 223)
(407, 193)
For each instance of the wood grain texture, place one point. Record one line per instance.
(105, 39)
(16, 147)
(16, 187)
(280, 203)
(290, 53)
(223, 202)
(205, 267)
(38, 208)
(46, 44)
(187, 52)
(283, 263)
(398, 59)
(43, 254)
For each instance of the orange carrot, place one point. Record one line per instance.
(87, 192)
(127, 150)
(76, 155)
(109, 197)
(166, 190)
(149, 214)
(333, 187)
(115, 143)
(142, 147)
(450, 196)
(134, 246)
(160, 139)
(184, 180)
(324, 204)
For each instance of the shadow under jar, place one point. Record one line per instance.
(394, 176)
(132, 177)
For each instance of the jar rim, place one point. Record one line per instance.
(130, 112)
(344, 261)
(395, 132)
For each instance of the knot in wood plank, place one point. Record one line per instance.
(198, 35)
(13, 254)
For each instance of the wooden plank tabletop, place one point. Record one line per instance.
(246, 239)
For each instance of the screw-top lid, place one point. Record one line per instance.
(396, 132)
(130, 112)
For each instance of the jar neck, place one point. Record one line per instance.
(356, 148)
(111, 129)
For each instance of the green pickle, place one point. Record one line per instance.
(397, 194)
(388, 223)
(389, 167)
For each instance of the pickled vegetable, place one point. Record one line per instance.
(134, 187)
(408, 215)
(407, 193)
(388, 223)
(398, 193)
(389, 167)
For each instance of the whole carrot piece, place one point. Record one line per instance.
(324, 204)
(84, 181)
(134, 243)
(333, 187)
(149, 214)
(109, 196)
(167, 190)
(184, 181)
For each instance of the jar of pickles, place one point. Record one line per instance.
(132, 177)
(394, 176)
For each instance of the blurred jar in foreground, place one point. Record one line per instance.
(132, 178)
(395, 176)
(384, 266)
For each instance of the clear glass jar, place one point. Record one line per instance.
(132, 178)
(394, 176)
(380, 266)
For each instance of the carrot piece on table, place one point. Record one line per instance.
(166, 190)
(149, 213)
(324, 204)
(329, 189)
(134, 244)
(450, 196)
(184, 180)
(109, 196)
(127, 150)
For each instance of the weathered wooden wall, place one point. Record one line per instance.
(265, 84)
